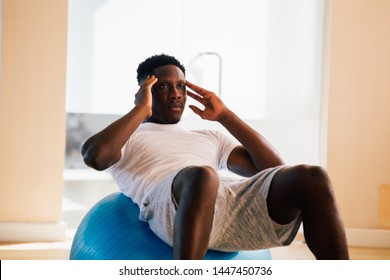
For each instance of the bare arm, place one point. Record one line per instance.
(255, 154)
(103, 149)
(259, 150)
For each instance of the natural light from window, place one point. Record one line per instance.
(270, 52)
(264, 57)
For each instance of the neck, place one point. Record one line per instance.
(154, 120)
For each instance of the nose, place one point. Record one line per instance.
(174, 93)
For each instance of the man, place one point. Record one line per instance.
(171, 174)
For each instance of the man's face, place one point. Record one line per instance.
(168, 94)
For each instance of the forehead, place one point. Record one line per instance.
(169, 73)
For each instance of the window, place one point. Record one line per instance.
(271, 52)
(263, 56)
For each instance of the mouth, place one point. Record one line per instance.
(177, 106)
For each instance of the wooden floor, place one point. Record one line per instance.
(80, 196)
(60, 251)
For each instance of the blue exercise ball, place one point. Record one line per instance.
(111, 230)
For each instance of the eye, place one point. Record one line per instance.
(162, 86)
(181, 86)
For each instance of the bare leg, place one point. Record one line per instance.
(308, 189)
(195, 190)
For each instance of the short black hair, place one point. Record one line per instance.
(147, 67)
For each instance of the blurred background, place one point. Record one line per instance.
(313, 76)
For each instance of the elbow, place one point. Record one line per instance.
(277, 162)
(270, 163)
(93, 158)
(273, 160)
(273, 163)
(94, 163)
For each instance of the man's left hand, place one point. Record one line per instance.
(214, 108)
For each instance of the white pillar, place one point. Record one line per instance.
(32, 119)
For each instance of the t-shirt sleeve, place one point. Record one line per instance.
(124, 150)
(226, 145)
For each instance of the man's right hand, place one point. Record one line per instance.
(143, 98)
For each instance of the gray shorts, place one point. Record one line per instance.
(241, 219)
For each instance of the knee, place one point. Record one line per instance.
(312, 172)
(197, 182)
(314, 180)
(200, 176)
(204, 172)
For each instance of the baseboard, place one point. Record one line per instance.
(16, 232)
(360, 237)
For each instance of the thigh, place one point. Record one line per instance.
(284, 195)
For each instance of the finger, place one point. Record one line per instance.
(152, 80)
(205, 101)
(197, 89)
(194, 96)
(196, 110)
(149, 81)
(143, 81)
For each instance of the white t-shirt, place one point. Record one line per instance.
(156, 151)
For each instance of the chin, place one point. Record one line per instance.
(173, 121)
(165, 121)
